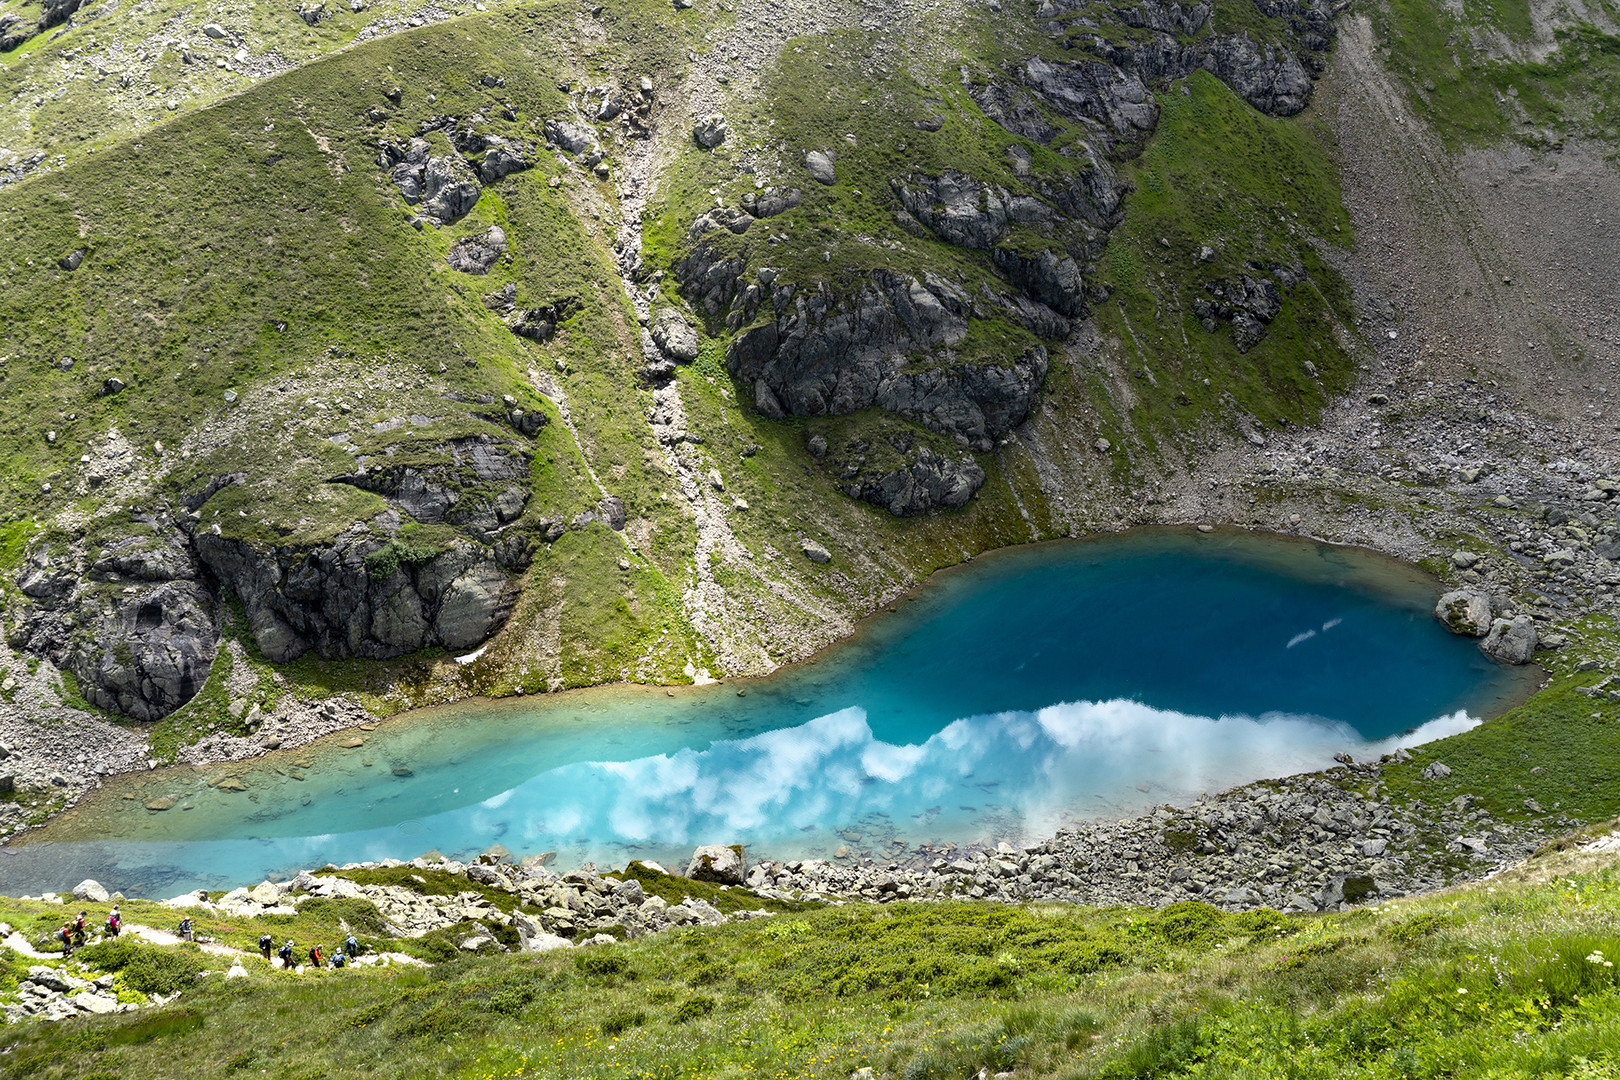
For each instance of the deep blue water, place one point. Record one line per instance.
(1033, 686)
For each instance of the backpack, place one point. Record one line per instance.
(286, 952)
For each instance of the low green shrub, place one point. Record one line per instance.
(693, 1008)
(601, 962)
(361, 916)
(148, 969)
(623, 1020)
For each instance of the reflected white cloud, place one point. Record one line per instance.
(1029, 771)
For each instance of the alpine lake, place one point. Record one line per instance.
(1003, 699)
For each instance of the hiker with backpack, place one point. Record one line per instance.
(286, 955)
(339, 959)
(314, 956)
(81, 929)
(352, 946)
(266, 943)
(186, 933)
(115, 922)
(65, 936)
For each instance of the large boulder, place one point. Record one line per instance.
(821, 168)
(1465, 611)
(675, 337)
(90, 890)
(719, 863)
(710, 131)
(1512, 641)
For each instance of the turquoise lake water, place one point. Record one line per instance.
(1029, 688)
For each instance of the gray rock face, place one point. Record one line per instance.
(931, 482)
(772, 201)
(475, 254)
(827, 357)
(573, 137)
(90, 890)
(710, 131)
(820, 165)
(501, 160)
(539, 323)
(341, 603)
(815, 552)
(675, 337)
(56, 12)
(1513, 641)
(720, 864)
(1465, 611)
(1249, 303)
(449, 189)
(1051, 277)
(138, 628)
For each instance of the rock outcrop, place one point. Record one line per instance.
(363, 597)
(476, 253)
(446, 186)
(137, 624)
(928, 482)
(824, 355)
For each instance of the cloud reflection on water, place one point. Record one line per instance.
(1037, 767)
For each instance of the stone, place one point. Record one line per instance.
(90, 890)
(817, 445)
(1465, 611)
(719, 863)
(475, 254)
(674, 336)
(821, 167)
(167, 802)
(1373, 848)
(73, 259)
(710, 131)
(215, 31)
(815, 552)
(112, 386)
(1102, 446)
(543, 942)
(1436, 770)
(98, 1004)
(237, 971)
(1464, 560)
(1512, 641)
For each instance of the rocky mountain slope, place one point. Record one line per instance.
(654, 342)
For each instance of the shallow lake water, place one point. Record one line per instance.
(1029, 688)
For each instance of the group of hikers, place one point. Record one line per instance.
(74, 934)
(316, 958)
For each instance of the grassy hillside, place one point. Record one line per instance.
(1511, 978)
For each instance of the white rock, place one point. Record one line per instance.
(91, 890)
